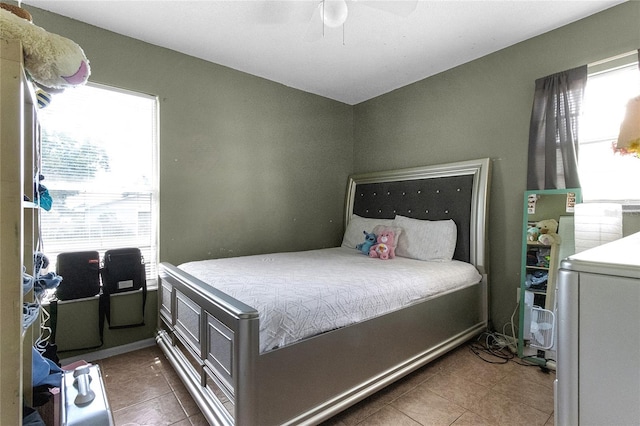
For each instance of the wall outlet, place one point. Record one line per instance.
(518, 295)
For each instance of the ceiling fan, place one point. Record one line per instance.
(334, 13)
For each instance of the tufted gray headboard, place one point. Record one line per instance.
(457, 191)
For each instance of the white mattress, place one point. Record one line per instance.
(301, 294)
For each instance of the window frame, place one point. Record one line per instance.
(154, 180)
(612, 64)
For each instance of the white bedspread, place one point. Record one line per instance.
(302, 294)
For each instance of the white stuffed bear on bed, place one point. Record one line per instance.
(51, 60)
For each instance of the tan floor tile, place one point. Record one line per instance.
(427, 408)
(163, 410)
(126, 388)
(551, 421)
(358, 412)
(406, 384)
(169, 373)
(334, 421)
(527, 392)
(535, 375)
(471, 419)
(131, 360)
(186, 401)
(457, 389)
(499, 409)
(198, 420)
(365, 408)
(388, 416)
(477, 370)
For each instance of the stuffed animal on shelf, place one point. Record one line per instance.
(385, 247)
(369, 241)
(50, 60)
(533, 233)
(548, 232)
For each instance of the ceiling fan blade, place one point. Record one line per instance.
(397, 7)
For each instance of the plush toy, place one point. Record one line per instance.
(385, 247)
(369, 241)
(51, 60)
(533, 233)
(17, 10)
(548, 232)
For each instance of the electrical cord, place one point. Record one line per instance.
(514, 345)
(489, 348)
(42, 263)
(500, 348)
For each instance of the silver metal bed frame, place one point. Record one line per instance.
(212, 340)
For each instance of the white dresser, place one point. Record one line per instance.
(598, 369)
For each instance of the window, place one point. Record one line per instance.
(99, 163)
(606, 176)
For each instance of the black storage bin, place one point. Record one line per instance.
(80, 272)
(124, 282)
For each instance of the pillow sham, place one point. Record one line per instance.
(433, 240)
(353, 234)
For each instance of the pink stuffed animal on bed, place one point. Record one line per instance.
(385, 248)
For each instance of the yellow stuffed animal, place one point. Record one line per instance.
(51, 60)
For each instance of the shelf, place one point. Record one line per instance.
(18, 230)
(538, 244)
(538, 268)
(539, 262)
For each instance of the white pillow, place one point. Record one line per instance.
(426, 239)
(354, 233)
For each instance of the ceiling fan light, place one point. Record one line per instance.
(334, 12)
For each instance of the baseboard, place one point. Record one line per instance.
(106, 353)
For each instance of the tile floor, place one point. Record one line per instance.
(457, 389)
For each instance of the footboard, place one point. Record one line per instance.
(212, 342)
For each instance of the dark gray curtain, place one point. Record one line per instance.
(553, 133)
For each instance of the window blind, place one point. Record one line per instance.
(606, 176)
(99, 164)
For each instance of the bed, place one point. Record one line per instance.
(241, 371)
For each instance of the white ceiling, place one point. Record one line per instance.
(377, 52)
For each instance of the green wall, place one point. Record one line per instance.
(246, 165)
(482, 109)
(249, 166)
